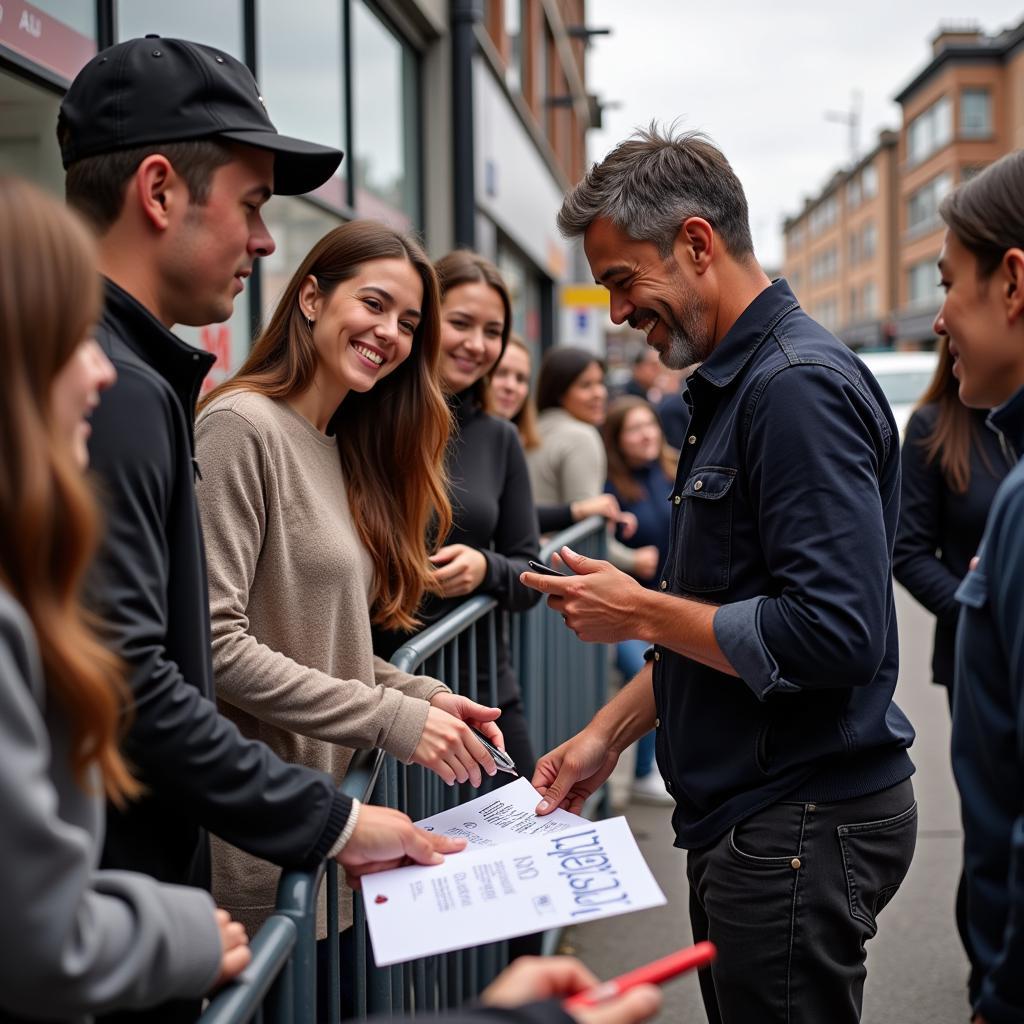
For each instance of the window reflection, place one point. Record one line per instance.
(385, 97)
(296, 226)
(299, 64)
(77, 14)
(215, 24)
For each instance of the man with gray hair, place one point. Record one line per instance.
(774, 652)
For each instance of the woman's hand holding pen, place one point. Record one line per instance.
(447, 745)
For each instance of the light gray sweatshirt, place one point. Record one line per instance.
(75, 940)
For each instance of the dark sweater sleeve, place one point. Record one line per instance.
(187, 752)
(515, 539)
(916, 561)
(554, 518)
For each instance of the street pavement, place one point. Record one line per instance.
(916, 968)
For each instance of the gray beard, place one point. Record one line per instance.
(689, 341)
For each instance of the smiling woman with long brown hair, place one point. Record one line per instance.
(76, 940)
(322, 472)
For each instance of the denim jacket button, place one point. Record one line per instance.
(657, 655)
(664, 584)
(692, 439)
(698, 485)
(678, 498)
(795, 863)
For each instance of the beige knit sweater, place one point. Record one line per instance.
(571, 465)
(289, 594)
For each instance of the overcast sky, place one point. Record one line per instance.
(759, 78)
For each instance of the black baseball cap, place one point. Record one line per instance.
(146, 91)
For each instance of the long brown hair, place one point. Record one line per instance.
(525, 420)
(463, 266)
(955, 429)
(619, 472)
(391, 439)
(49, 299)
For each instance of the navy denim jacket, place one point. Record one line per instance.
(785, 510)
(988, 740)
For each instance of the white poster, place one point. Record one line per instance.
(494, 892)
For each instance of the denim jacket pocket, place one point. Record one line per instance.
(704, 549)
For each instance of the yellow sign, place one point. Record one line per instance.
(585, 295)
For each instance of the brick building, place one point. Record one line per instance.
(861, 254)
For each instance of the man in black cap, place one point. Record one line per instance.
(171, 154)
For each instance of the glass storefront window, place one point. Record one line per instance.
(215, 24)
(385, 166)
(28, 137)
(229, 341)
(524, 288)
(299, 61)
(295, 225)
(57, 35)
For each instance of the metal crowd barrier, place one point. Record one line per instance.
(563, 684)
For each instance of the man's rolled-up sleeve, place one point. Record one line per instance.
(815, 449)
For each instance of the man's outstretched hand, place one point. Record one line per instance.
(570, 773)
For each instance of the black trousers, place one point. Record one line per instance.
(790, 898)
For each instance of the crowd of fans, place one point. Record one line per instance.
(197, 605)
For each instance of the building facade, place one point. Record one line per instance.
(450, 112)
(861, 255)
(840, 254)
(961, 112)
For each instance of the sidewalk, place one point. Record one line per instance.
(916, 969)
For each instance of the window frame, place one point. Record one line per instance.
(989, 129)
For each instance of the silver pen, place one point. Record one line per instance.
(502, 761)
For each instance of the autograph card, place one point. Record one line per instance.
(490, 893)
(503, 816)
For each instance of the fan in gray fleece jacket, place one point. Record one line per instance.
(76, 940)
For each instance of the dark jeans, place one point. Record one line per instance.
(790, 897)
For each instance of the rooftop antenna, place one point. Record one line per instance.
(851, 118)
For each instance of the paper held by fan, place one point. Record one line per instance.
(494, 892)
(504, 815)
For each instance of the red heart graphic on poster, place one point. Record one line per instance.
(380, 899)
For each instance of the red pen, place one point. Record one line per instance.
(650, 974)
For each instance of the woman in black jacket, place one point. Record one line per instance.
(952, 465)
(494, 532)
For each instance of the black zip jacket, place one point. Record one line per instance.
(150, 587)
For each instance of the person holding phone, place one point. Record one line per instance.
(772, 632)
